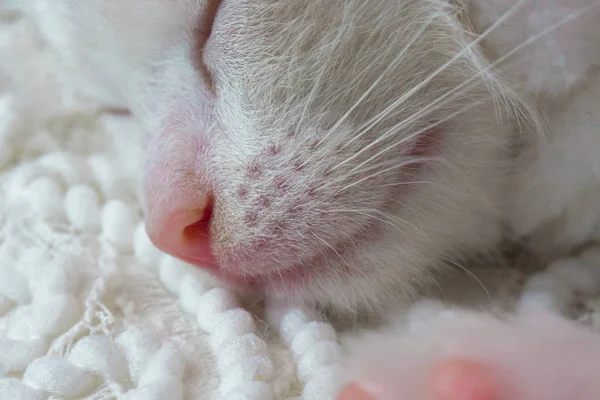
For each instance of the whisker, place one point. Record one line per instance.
(317, 83)
(384, 171)
(365, 212)
(455, 92)
(472, 275)
(393, 277)
(392, 64)
(369, 124)
(392, 163)
(331, 247)
(282, 281)
(407, 183)
(409, 137)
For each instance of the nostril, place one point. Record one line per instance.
(199, 231)
(184, 231)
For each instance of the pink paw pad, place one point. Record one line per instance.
(451, 379)
(354, 392)
(463, 379)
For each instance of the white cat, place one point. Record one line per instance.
(341, 152)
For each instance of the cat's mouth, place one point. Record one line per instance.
(298, 275)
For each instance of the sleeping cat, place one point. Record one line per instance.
(342, 152)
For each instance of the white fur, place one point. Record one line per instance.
(301, 66)
(531, 356)
(526, 353)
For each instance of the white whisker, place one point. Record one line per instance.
(472, 275)
(330, 246)
(456, 91)
(367, 211)
(408, 138)
(384, 171)
(392, 64)
(378, 118)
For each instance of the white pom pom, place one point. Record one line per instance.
(118, 224)
(82, 208)
(255, 368)
(543, 290)
(49, 275)
(168, 361)
(105, 172)
(145, 251)
(19, 322)
(291, 322)
(190, 292)
(319, 355)
(59, 277)
(251, 391)
(241, 347)
(164, 388)
(13, 285)
(98, 354)
(172, 271)
(260, 366)
(55, 375)
(54, 314)
(30, 261)
(72, 169)
(17, 354)
(45, 198)
(324, 385)
(47, 315)
(212, 304)
(282, 314)
(13, 389)
(231, 323)
(23, 175)
(137, 347)
(232, 356)
(311, 333)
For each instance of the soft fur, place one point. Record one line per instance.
(300, 116)
(530, 356)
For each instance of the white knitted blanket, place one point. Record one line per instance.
(88, 308)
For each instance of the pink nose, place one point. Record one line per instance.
(184, 231)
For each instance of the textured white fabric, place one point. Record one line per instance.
(89, 309)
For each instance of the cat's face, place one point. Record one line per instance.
(329, 150)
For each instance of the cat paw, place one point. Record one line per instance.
(465, 355)
(450, 379)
